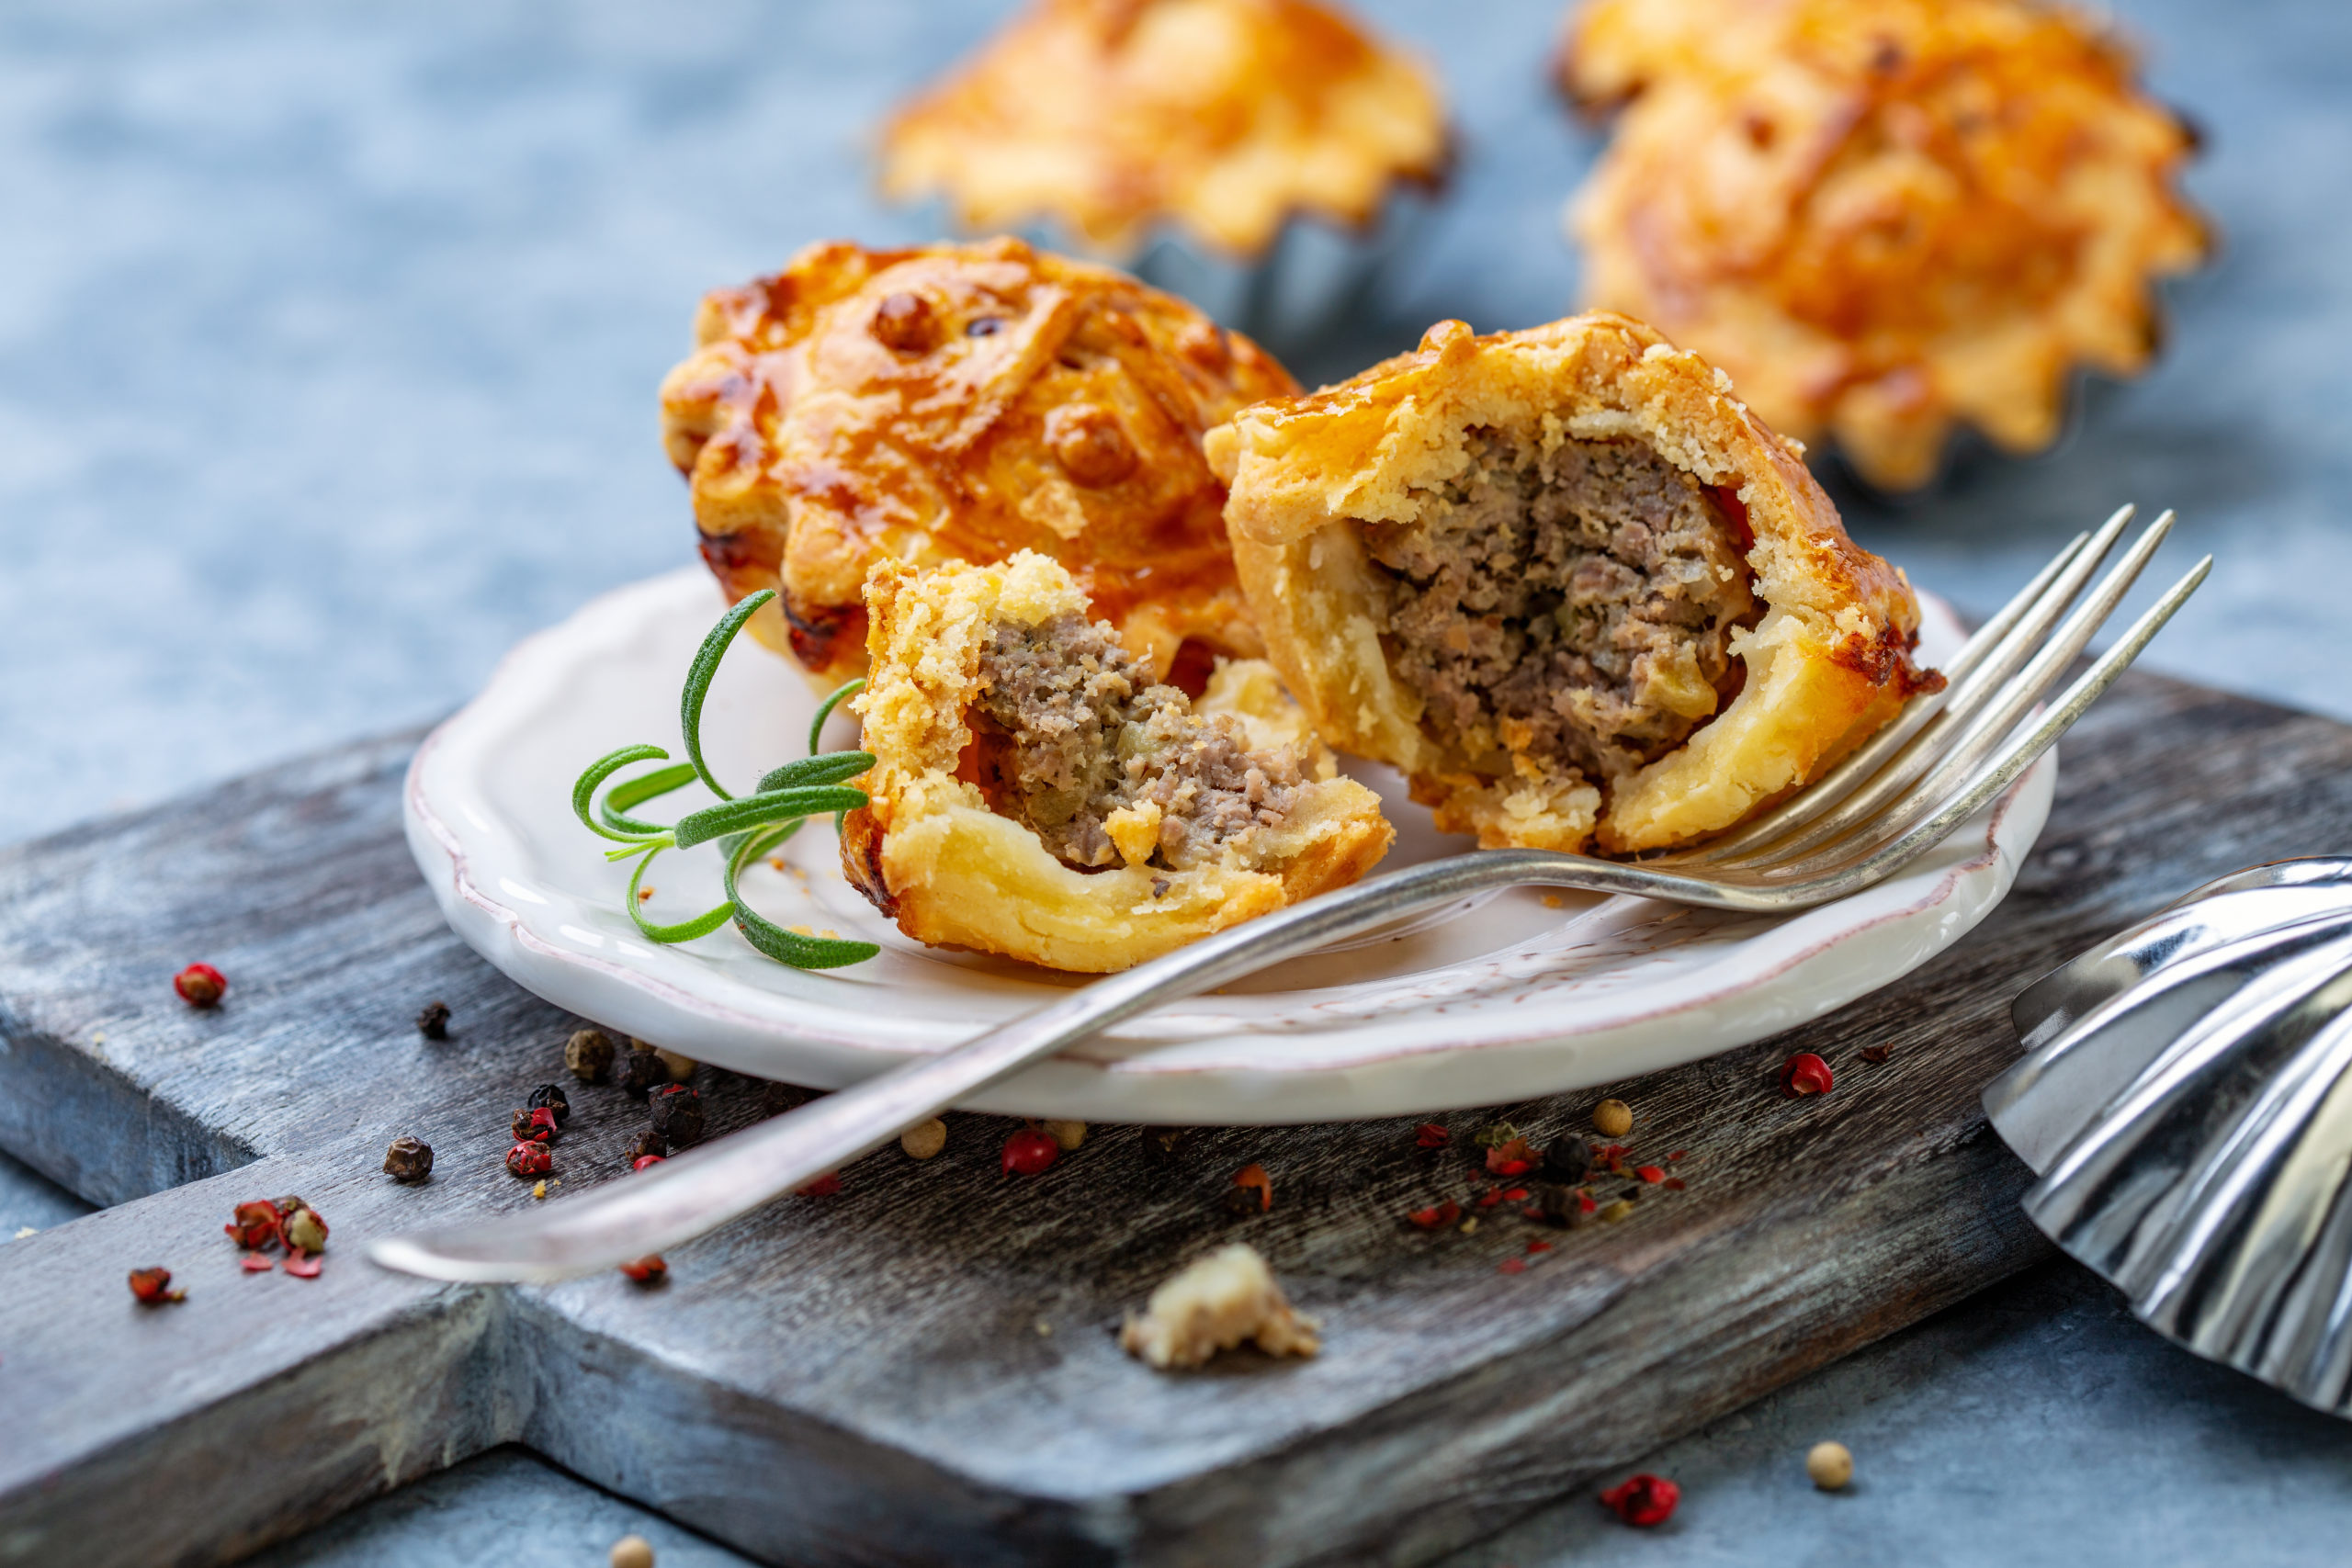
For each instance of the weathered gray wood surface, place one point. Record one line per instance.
(861, 1379)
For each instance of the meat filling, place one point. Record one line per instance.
(1572, 605)
(1071, 731)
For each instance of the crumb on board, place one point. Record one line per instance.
(1213, 1303)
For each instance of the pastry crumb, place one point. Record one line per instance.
(1213, 1303)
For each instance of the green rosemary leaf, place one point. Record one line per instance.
(831, 768)
(783, 946)
(698, 678)
(751, 811)
(638, 791)
(703, 924)
(841, 695)
(583, 789)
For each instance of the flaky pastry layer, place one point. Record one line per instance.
(1318, 482)
(1883, 217)
(933, 852)
(961, 403)
(1223, 116)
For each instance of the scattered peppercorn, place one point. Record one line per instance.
(642, 1161)
(634, 1551)
(641, 1072)
(1029, 1152)
(1431, 1136)
(678, 1116)
(1876, 1053)
(1253, 1178)
(1830, 1465)
(776, 1099)
(649, 1143)
(649, 1270)
(1165, 1145)
(200, 985)
(433, 1020)
(1568, 1159)
(407, 1159)
(1559, 1205)
(540, 1124)
(1643, 1499)
(304, 1231)
(924, 1139)
(529, 1157)
(1068, 1134)
(153, 1286)
(1612, 1117)
(550, 1097)
(254, 1226)
(589, 1055)
(1804, 1074)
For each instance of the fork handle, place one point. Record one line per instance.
(703, 1189)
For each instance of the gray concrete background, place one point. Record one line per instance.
(328, 340)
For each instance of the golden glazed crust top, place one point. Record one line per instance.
(1222, 116)
(961, 403)
(1882, 217)
(931, 851)
(1826, 665)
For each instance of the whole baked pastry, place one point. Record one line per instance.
(1036, 795)
(962, 403)
(1220, 117)
(1882, 217)
(1565, 580)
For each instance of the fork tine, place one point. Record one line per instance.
(1888, 850)
(2004, 640)
(1946, 752)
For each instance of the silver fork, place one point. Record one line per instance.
(1894, 800)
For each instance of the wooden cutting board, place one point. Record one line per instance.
(923, 1368)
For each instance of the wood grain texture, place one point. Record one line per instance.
(862, 1379)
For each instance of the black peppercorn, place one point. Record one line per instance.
(407, 1159)
(677, 1116)
(552, 1097)
(776, 1099)
(539, 1123)
(641, 1073)
(432, 1022)
(1165, 1145)
(651, 1143)
(589, 1055)
(1560, 1205)
(1568, 1159)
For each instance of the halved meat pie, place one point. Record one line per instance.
(1036, 795)
(1565, 580)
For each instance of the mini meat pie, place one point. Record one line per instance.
(961, 403)
(1036, 795)
(1567, 581)
(1882, 217)
(1223, 116)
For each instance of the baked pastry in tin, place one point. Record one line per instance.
(962, 402)
(1036, 795)
(1221, 118)
(1883, 217)
(1567, 581)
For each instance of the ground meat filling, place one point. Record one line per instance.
(1070, 730)
(1574, 606)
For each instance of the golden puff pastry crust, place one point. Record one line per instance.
(1221, 117)
(1883, 217)
(1035, 796)
(962, 403)
(1567, 581)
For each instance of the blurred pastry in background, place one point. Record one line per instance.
(1224, 117)
(1180, 138)
(1567, 581)
(960, 403)
(1883, 217)
(1036, 795)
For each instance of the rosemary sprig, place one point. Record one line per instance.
(744, 828)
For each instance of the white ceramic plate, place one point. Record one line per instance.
(1522, 994)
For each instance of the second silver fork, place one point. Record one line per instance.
(1939, 762)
